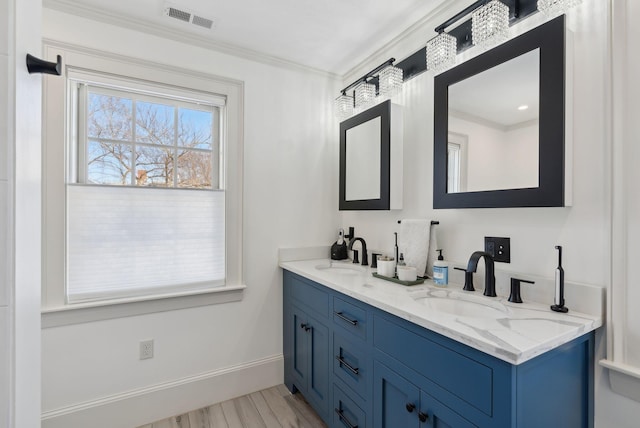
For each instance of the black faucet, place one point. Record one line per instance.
(365, 259)
(489, 276)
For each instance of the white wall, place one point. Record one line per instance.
(624, 344)
(5, 244)
(20, 95)
(290, 183)
(583, 229)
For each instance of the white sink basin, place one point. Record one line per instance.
(341, 269)
(462, 305)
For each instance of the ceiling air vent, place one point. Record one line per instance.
(203, 22)
(188, 16)
(178, 14)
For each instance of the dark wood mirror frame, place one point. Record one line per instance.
(550, 39)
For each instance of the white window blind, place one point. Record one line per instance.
(124, 242)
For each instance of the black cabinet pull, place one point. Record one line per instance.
(347, 365)
(344, 419)
(343, 318)
(423, 417)
(305, 327)
(410, 407)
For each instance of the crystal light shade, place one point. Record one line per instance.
(490, 24)
(556, 7)
(343, 106)
(390, 81)
(441, 52)
(365, 95)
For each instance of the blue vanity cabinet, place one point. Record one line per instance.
(401, 403)
(307, 345)
(360, 366)
(463, 387)
(397, 401)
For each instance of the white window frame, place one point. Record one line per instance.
(459, 143)
(57, 163)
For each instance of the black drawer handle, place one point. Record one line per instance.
(344, 419)
(343, 318)
(410, 407)
(423, 417)
(347, 365)
(305, 326)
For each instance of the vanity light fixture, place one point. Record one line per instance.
(556, 7)
(490, 24)
(523, 107)
(441, 52)
(343, 106)
(365, 94)
(483, 23)
(382, 82)
(390, 81)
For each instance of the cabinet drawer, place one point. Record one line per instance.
(312, 297)
(346, 412)
(350, 363)
(351, 317)
(464, 377)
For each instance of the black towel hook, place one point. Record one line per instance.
(37, 65)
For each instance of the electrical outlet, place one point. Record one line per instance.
(499, 248)
(146, 349)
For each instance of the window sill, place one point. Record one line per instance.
(99, 311)
(625, 379)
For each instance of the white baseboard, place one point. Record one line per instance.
(142, 406)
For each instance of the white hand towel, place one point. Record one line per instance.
(433, 246)
(413, 242)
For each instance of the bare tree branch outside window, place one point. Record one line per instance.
(143, 143)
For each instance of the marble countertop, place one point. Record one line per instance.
(525, 331)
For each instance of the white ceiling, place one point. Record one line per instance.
(329, 35)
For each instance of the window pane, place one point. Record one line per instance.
(154, 167)
(195, 128)
(194, 169)
(109, 117)
(108, 163)
(155, 123)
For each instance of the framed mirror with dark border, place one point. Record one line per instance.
(549, 40)
(380, 117)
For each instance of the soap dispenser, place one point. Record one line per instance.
(339, 248)
(440, 271)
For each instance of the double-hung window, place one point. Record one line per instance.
(142, 187)
(145, 192)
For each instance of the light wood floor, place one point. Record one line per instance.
(270, 408)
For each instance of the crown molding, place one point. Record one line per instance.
(415, 28)
(108, 17)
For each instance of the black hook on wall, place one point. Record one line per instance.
(37, 65)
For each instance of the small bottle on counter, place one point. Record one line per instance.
(440, 271)
(401, 260)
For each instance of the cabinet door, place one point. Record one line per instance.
(395, 400)
(300, 352)
(434, 414)
(318, 364)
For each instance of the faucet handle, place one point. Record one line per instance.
(351, 233)
(468, 279)
(374, 260)
(514, 296)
